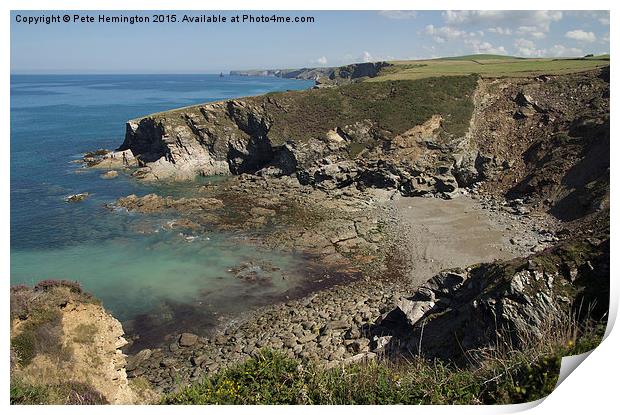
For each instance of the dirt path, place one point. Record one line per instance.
(449, 233)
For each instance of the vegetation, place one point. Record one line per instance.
(495, 377)
(488, 66)
(69, 393)
(36, 319)
(393, 107)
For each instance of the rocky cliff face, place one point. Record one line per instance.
(325, 76)
(500, 305)
(65, 343)
(401, 134)
(518, 137)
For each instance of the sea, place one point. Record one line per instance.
(144, 273)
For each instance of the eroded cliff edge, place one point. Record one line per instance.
(66, 349)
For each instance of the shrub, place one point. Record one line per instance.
(45, 285)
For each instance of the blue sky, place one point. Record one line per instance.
(335, 38)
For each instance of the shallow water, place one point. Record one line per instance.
(129, 261)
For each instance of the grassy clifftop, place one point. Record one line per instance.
(488, 66)
(394, 107)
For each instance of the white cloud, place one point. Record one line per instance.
(561, 50)
(444, 33)
(366, 57)
(527, 48)
(604, 38)
(505, 31)
(539, 18)
(485, 47)
(531, 31)
(604, 21)
(399, 14)
(321, 60)
(581, 35)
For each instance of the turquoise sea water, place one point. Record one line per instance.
(130, 261)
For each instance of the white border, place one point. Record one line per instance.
(591, 388)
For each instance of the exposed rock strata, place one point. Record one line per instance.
(61, 336)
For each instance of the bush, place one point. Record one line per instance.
(269, 378)
(40, 334)
(46, 285)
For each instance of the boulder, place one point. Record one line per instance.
(187, 339)
(110, 174)
(78, 197)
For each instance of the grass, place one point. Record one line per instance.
(40, 334)
(488, 66)
(68, 393)
(497, 377)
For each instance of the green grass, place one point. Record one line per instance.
(488, 66)
(478, 57)
(69, 393)
(497, 378)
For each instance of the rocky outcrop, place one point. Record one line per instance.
(62, 338)
(499, 305)
(545, 140)
(289, 134)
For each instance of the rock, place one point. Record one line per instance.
(78, 197)
(520, 299)
(110, 174)
(359, 345)
(352, 333)
(168, 362)
(220, 339)
(334, 325)
(307, 338)
(134, 361)
(380, 344)
(200, 360)
(187, 340)
(290, 342)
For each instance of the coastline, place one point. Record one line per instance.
(340, 199)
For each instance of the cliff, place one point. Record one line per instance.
(354, 127)
(66, 349)
(435, 135)
(329, 75)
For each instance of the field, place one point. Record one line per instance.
(489, 66)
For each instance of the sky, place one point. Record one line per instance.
(333, 39)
